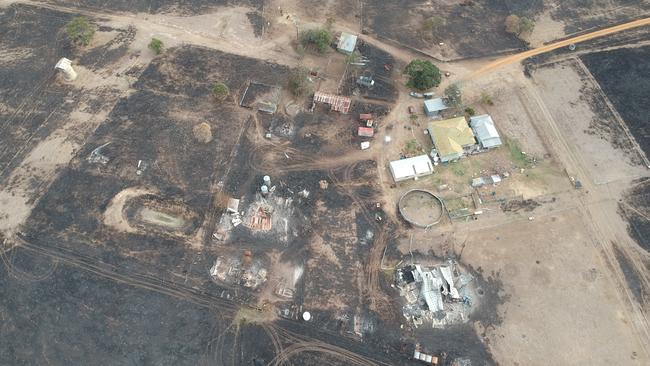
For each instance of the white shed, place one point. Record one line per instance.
(411, 168)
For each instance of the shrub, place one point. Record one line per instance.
(319, 39)
(454, 96)
(202, 132)
(470, 111)
(156, 45)
(220, 91)
(299, 82)
(80, 30)
(422, 75)
(486, 99)
(430, 26)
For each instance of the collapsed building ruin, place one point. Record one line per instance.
(438, 294)
(245, 272)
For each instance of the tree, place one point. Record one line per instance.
(202, 132)
(80, 30)
(299, 82)
(518, 26)
(454, 96)
(422, 75)
(220, 91)
(156, 45)
(470, 111)
(526, 26)
(319, 39)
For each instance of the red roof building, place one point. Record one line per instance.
(366, 131)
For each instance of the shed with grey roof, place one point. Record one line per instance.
(485, 131)
(433, 107)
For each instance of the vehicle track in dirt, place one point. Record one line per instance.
(601, 220)
(110, 272)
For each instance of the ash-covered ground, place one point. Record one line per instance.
(158, 6)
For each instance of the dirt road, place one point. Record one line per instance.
(555, 45)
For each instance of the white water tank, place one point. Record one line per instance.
(306, 316)
(65, 65)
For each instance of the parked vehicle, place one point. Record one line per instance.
(416, 95)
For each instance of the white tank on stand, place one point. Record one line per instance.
(65, 65)
(267, 181)
(265, 190)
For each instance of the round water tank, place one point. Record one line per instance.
(264, 189)
(306, 316)
(267, 180)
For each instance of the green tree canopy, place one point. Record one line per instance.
(80, 30)
(156, 45)
(518, 26)
(422, 75)
(318, 39)
(454, 96)
(220, 91)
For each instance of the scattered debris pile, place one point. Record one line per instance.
(265, 212)
(432, 296)
(426, 358)
(96, 155)
(245, 271)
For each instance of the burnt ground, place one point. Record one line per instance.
(95, 290)
(34, 102)
(380, 67)
(158, 6)
(154, 126)
(624, 75)
(578, 15)
(472, 29)
(57, 314)
(634, 281)
(30, 95)
(636, 207)
(80, 278)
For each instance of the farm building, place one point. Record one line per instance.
(336, 102)
(485, 131)
(347, 43)
(365, 132)
(451, 138)
(411, 168)
(433, 107)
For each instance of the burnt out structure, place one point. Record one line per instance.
(438, 295)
